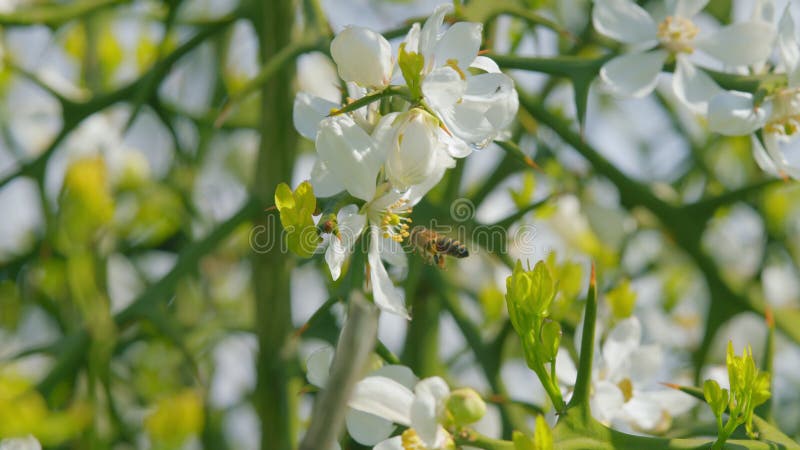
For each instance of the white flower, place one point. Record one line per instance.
(635, 74)
(26, 443)
(475, 108)
(623, 383)
(350, 224)
(365, 428)
(349, 155)
(735, 114)
(421, 410)
(363, 57)
(414, 146)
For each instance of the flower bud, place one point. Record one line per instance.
(550, 339)
(412, 150)
(528, 295)
(363, 57)
(466, 406)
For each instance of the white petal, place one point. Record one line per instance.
(624, 21)
(644, 413)
(387, 296)
(26, 443)
(689, 8)
(488, 106)
(566, 371)
(395, 443)
(778, 148)
(672, 401)
(763, 10)
(443, 87)
(323, 181)
(411, 159)
(455, 147)
(460, 43)
(415, 194)
(412, 39)
(367, 429)
(646, 363)
(308, 112)
(428, 404)
(788, 47)
(623, 339)
(740, 44)
(383, 397)
(363, 56)
(351, 224)
(396, 372)
(486, 64)
(732, 113)
(763, 160)
(606, 401)
(692, 86)
(318, 366)
(393, 253)
(633, 74)
(335, 256)
(429, 35)
(350, 154)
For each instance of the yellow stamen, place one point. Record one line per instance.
(677, 34)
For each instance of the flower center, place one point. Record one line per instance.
(411, 440)
(395, 221)
(626, 386)
(677, 34)
(785, 117)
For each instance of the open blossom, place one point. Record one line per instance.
(635, 74)
(735, 113)
(364, 427)
(623, 382)
(475, 108)
(422, 411)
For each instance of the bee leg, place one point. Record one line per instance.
(440, 261)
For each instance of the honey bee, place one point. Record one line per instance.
(434, 247)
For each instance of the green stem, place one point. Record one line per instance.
(474, 439)
(55, 14)
(274, 401)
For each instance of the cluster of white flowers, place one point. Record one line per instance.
(457, 100)
(625, 389)
(743, 47)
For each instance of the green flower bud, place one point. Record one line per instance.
(549, 340)
(465, 406)
(529, 295)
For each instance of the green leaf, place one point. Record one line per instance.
(411, 65)
(542, 436)
(296, 211)
(716, 397)
(521, 441)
